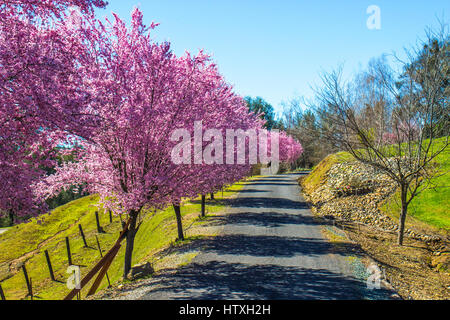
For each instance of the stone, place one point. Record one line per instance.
(368, 187)
(141, 270)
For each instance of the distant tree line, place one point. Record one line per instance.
(375, 90)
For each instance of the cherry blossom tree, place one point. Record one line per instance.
(142, 93)
(41, 100)
(46, 8)
(288, 148)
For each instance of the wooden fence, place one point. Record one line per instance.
(100, 269)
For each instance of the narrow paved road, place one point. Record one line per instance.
(270, 248)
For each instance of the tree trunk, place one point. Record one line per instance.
(11, 217)
(179, 222)
(212, 196)
(403, 213)
(203, 205)
(131, 234)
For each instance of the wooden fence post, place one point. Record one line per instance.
(99, 228)
(101, 256)
(25, 273)
(82, 235)
(49, 264)
(31, 289)
(101, 265)
(2, 294)
(69, 255)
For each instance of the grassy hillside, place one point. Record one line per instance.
(27, 243)
(319, 173)
(429, 209)
(432, 206)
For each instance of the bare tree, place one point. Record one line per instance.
(303, 124)
(391, 120)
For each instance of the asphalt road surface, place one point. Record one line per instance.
(270, 248)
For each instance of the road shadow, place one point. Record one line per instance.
(262, 202)
(253, 191)
(273, 246)
(219, 280)
(269, 180)
(267, 219)
(272, 184)
(257, 201)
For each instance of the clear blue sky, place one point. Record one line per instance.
(276, 49)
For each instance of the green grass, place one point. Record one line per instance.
(432, 206)
(318, 174)
(4, 222)
(27, 242)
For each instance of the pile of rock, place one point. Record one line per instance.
(353, 191)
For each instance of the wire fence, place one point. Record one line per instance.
(100, 269)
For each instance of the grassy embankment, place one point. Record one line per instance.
(429, 210)
(27, 243)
